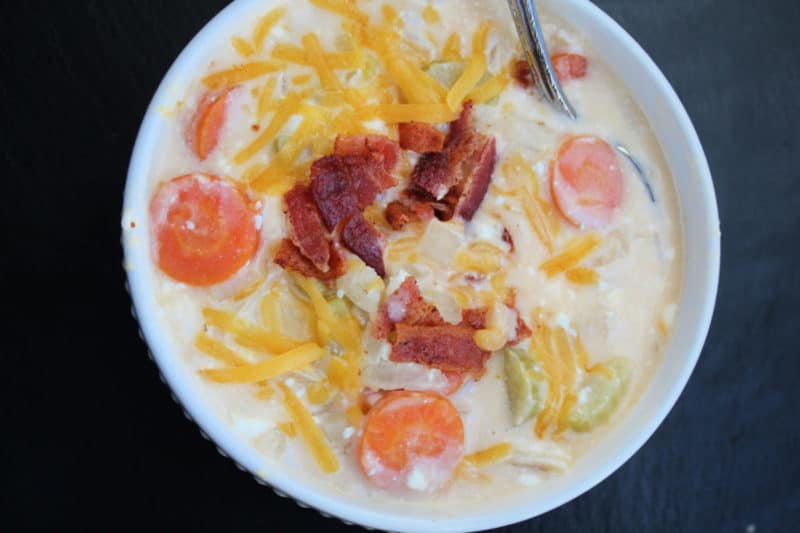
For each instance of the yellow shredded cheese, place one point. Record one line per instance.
(218, 350)
(346, 8)
(488, 89)
(241, 46)
(240, 74)
(575, 252)
(309, 431)
(479, 39)
(452, 48)
(397, 113)
(265, 98)
(247, 291)
(287, 428)
(295, 359)
(488, 456)
(582, 276)
(431, 15)
(319, 392)
(301, 79)
(473, 72)
(285, 109)
(265, 24)
(248, 334)
(484, 263)
(265, 392)
(391, 16)
(316, 57)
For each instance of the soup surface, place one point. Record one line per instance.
(390, 266)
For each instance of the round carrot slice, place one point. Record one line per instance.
(207, 122)
(569, 66)
(586, 181)
(203, 229)
(411, 440)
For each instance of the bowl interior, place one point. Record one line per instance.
(700, 235)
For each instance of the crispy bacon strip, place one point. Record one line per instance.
(432, 174)
(365, 241)
(448, 348)
(420, 137)
(306, 229)
(407, 305)
(332, 190)
(365, 145)
(476, 180)
(289, 257)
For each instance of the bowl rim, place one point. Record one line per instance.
(172, 373)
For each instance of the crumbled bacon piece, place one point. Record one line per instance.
(368, 177)
(432, 174)
(306, 229)
(411, 206)
(448, 348)
(521, 72)
(289, 257)
(365, 241)
(420, 137)
(475, 318)
(475, 184)
(365, 145)
(458, 177)
(407, 305)
(333, 190)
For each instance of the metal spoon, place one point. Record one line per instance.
(535, 49)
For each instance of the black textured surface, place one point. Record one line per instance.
(90, 438)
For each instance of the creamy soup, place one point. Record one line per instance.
(390, 266)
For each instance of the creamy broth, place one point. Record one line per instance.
(626, 313)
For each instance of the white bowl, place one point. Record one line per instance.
(701, 240)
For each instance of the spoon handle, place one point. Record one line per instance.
(535, 49)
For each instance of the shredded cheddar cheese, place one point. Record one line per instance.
(241, 46)
(287, 428)
(575, 252)
(346, 8)
(295, 359)
(248, 334)
(452, 48)
(240, 73)
(218, 350)
(473, 72)
(488, 89)
(265, 24)
(488, 456)
(316, 57)
(287, 107)
(431, 15)
(309, 431)
(582, 276)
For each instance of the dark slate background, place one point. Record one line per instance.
(91, 439)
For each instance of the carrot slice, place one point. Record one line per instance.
(203, 229)
(411, 440)
(207, 122)
(569, 66)
(586, 181)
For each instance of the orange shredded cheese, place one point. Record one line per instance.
(287, 428)
(309, 431)
(488, 456)
(247, 291)
(285, 109)
(473, 72)
(248, 334)
(575, 252)
(295, 359)
(396, 113)
(265, 24)
(240, 74)
(242, 47)
(301, 79)
(431, 15)
(488, 89)
(582, 276)
(218, 350)
(452, 48)
(316, 57)
(265, 98)
(346, 8)
(319, 392)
